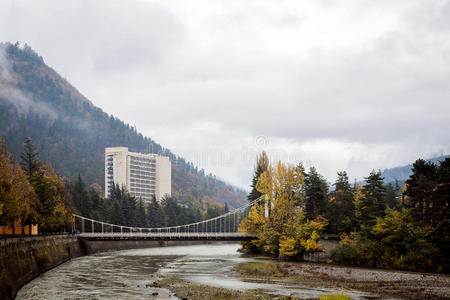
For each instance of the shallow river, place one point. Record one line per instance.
(128, 274)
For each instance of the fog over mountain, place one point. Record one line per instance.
(338, 85)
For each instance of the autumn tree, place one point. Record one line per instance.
(54, 200)
(17, 197)
(277, 221)
(262, 164)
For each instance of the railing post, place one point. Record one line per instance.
(92, 224)
(82, 225)
(102, 228)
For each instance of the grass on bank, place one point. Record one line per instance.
(261, 269)
(335, 297)
(188, 290)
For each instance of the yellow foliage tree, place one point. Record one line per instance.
(16, 193)
(284, 229)
(54, 198)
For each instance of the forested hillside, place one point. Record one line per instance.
(402, 173)
(71, 133)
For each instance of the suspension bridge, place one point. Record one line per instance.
(223, 227)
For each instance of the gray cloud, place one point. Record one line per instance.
(340, 85)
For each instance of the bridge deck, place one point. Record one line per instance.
(233, 236)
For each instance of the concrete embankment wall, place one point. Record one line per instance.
(24, 258)
(327, 247)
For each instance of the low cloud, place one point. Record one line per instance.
(10, 93)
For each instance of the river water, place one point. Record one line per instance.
(128, 274)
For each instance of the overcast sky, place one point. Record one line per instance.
(340, 85)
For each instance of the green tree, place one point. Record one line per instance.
(29, 159)
(262, 164)
(81, 199)
(419, 190)
(371, 204)
(316, 194)
(99, 211)
(156, 216)
(116, 213)
(390, 196)
(171, 210)
(141, 216)
(341, 205)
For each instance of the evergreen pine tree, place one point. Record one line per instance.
(141, 217)
(116, 213)
(80, 198)
(156, 216)
(372, 203)
(419, 189)
(390, 196)
(29, 159)
(342, 208)
(262, 164)
(171, 211)
(316, 194)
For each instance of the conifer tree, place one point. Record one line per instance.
(116, 213)
(342, 208)
(29, 159)
(390, 196)
(141, 217)
(316, 194)
(419, 189)
(262, 165)
(171, 210)
(156, 216)
(80, 198)
(372, 203)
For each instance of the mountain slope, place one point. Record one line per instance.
(71, 133)
(403, 172)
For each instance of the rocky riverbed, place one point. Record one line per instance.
(218, 271)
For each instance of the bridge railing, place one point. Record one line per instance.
(222, 225)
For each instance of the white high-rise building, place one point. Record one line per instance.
(144, 175)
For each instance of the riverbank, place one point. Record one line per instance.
(380, 282)
(219, 271)
(263, 278)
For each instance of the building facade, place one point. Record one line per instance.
(144, 175)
